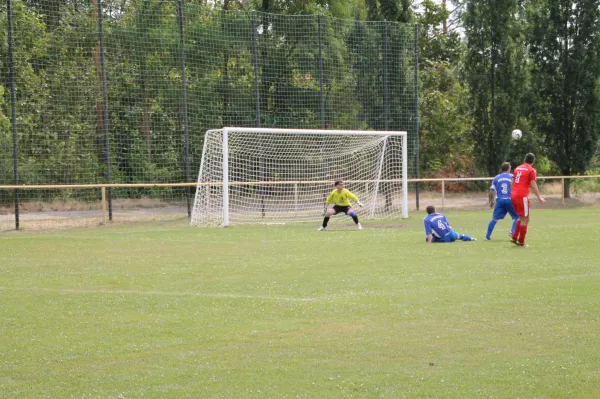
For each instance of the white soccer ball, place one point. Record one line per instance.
(517, 134)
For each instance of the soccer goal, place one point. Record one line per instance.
(272, 176)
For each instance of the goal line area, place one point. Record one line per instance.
(64, 206)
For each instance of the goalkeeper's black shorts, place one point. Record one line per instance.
(340, 209)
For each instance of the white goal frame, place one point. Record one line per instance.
(226, 184)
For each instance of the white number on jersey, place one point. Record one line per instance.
(504, 188)
(518, 177)
(441, 225)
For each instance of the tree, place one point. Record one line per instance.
(495, 72)
(564, 47)
(390, 10)
(30, 47)
(444, 142)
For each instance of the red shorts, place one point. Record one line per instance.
(521, 205)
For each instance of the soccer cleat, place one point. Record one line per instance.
(513, 240)
(510, 234)
(522, 244)
(358, 226)
(473, 239)
(488, 239)
(322, 228)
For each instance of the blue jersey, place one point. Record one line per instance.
(437, 224)
(501, 185)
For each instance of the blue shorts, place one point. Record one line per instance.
(450, 237)
(504, 206)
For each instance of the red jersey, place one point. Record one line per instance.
(523, 176)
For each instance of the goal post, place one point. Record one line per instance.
(272, 176)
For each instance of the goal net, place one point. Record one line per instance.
(270, 176)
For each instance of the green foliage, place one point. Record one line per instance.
(590, 185)
(532, 141)
(232, 59)
(465, 123)
(565, 47)
(6, 142)
(494, 68)
(435, 45)
(28, 52)
(389, 10)
(445, 139)
(446, 146)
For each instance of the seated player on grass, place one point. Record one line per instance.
(339, 201)
(438, 229)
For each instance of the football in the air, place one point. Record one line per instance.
(517, 134)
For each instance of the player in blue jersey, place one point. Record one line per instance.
(438, 229)
(499, 196)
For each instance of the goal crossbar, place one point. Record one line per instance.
(314, 131)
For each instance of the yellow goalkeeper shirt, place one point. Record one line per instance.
(341, 199)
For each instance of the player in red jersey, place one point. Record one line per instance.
(524, 179)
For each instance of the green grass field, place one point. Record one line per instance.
(168, 311)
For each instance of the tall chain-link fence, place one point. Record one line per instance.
(123, 92)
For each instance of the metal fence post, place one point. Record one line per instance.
(103, 196)
(322, 95)
(13, 111)
(443, 193)
(255, 62)
(185, 110)
(105, 102)
(386, 91)
(320, 23)
(417, 122)
(257, 93)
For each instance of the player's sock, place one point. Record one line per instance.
(354, 216)
(512, 229)
(522, 234)
(490, 229)
(517, 228)
(325, 221)
(517, 232)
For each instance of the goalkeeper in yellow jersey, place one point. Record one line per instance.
(339, 201)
